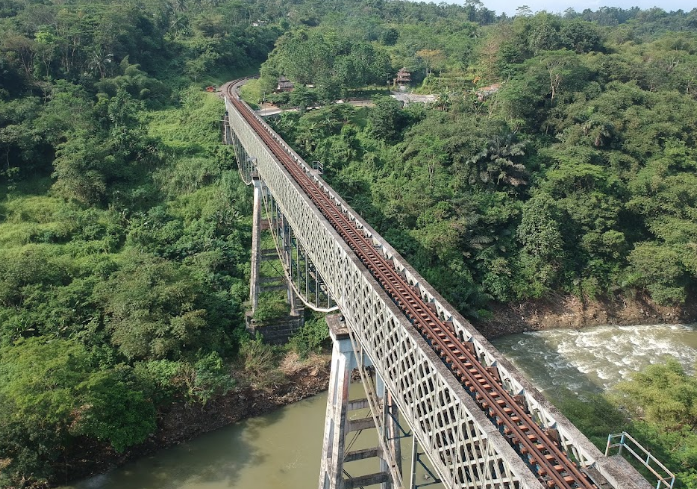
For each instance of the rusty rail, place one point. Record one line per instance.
(537, 447)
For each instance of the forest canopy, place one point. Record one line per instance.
(559, 157)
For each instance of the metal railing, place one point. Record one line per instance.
(465, 448)
(665, 480)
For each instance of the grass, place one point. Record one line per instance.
(33, 219)
(32, 208)
(193, 129)
(57, 227)
(252, 93)
(38, 185)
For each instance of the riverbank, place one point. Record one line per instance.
(298, 379)
(280, 448)
(301, 379)
(571, 312)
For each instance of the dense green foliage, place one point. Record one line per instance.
(661, 403)
(123, 228)
(123, 224)
(115, 303)
(331, 62)
(312, 336)
(574, 174)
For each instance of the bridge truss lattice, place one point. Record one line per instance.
(464, 447)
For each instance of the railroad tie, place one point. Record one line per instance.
(483, 382)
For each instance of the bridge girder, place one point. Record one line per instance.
(464, 447)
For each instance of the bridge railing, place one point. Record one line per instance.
(445, 419)
(463, 445)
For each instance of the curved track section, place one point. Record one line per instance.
(536, 446)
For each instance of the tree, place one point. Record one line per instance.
(49, 392)
(302, 98)
(325, 58)
(664, 192)
(662, 394)
(542, 251)
(46, 48)
(433, 59)
(113, 409)
(429, 151)
(580, 36)
(22, 147)
(39, 377)
(66, 101)
(497, 162)
(21, 50)
(151, 309)
(386, 119)
(660, 270)
(389, 36)
(82, 167)
(662, 401)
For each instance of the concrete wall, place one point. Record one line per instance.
(276, 331)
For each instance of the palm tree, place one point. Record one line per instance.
(600, 129)
(99, 61)
(496, 162)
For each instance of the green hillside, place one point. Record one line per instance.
(559, 158)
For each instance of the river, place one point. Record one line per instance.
(595, 359)
(282, 449)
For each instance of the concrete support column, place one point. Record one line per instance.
(339, 421)
(414, 459)
(343, 363)
(256, 243)
(292, 300)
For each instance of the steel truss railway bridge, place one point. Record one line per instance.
(426, 371)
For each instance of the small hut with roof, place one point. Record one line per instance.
(403, 77)
(284, 85)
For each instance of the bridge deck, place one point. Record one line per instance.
(467, 448)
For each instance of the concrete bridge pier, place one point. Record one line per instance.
(343, 363)
(340, 423)
(277, 330)
(256, 244)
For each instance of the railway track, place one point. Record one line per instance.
(536, 446)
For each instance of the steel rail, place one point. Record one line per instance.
(551, 464)
(486, 395)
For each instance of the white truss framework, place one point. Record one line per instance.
(463, 445)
